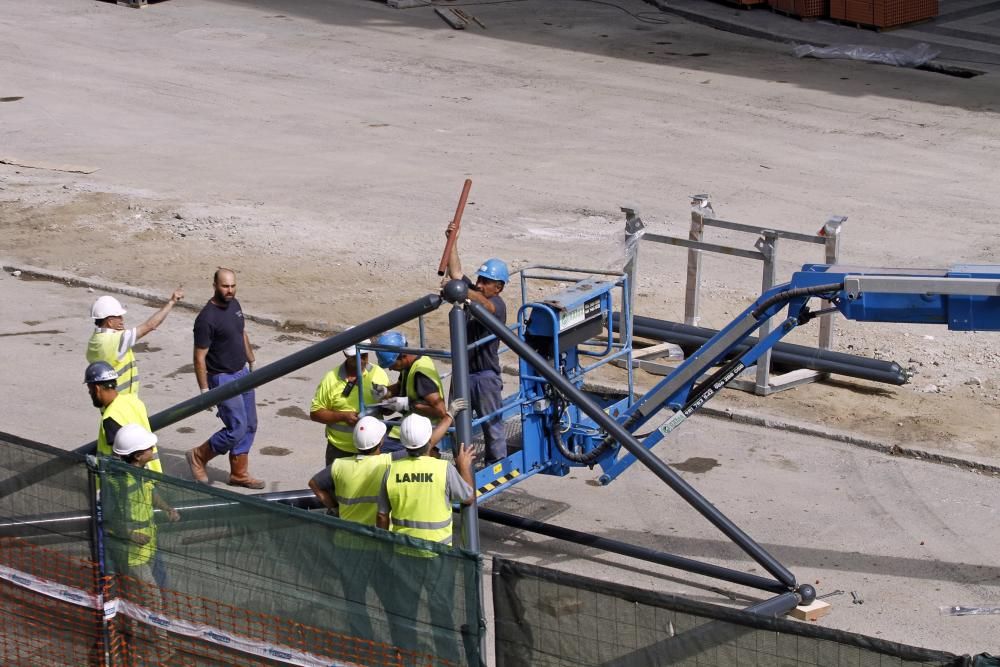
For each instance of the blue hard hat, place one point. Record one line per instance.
(494, 269)
(387, 358)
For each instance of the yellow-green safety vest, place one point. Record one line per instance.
(103, 346)
(339, 434)
(137, 509)
(126, 409)
(417, 488)
(357, 481)
(425, 366)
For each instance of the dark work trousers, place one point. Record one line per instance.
(486, 396)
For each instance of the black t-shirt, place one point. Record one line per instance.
(423, 385)
(220, 329)
(485, 357)
(111, 428)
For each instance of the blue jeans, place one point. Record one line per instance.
(486, 396)
(238, 415)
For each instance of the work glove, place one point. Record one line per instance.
(380, 391)
(457, 406)
(398, 403)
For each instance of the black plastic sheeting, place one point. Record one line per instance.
(546, 618)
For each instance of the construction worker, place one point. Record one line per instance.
(131, 502)
(415, 500)
(112, 342)
(337, 401)
(418, 389)
(223, 354)
(117, 410)
(485, 383)
(348, 488)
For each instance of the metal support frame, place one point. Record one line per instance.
(766, 252)
(618, 433)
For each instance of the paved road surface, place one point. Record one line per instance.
(907, 536)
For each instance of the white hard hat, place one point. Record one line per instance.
(415, 431)
(133, 438)
(353, 349)
(368, 433)
(106, 306)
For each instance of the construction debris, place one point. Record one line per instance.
(451, 19)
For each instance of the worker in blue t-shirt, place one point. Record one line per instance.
(485, 383)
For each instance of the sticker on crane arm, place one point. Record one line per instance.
(676, 420)
(499, 481)
(572, 317)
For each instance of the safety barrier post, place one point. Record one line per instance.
(456, 292)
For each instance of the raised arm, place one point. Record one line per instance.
(160, 315)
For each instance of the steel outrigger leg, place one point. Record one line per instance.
(805, 593)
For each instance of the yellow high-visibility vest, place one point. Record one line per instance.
(330, 396)
(425, 366)
(419, 506)
(126, 409)
(103, 346)
(136, 496)
(357, 481)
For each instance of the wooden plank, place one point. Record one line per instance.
(450, 19)
(812, 612)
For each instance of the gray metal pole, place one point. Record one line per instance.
(831, 232)
(463, 422)
(700, 205)
(767, 244)
(628, 441)
(272, 371)
(294, 362)
(463, 436)
(633, 551)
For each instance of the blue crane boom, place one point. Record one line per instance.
(562, 328)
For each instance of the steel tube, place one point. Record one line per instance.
(632, 551)
(788, 355)
(272, 371)
(628, 441)
(463, 422)
(294, 362)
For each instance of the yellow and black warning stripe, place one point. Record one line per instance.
(500, 481)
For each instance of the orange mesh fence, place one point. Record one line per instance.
(241, 581)
(235, 581)
(50, 610)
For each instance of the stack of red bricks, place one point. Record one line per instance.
(806, 9)
(883, 13)
(873, 13)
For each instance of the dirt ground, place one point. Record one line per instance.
(319, 148)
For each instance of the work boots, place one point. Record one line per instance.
(239, 476)
(198, 458)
